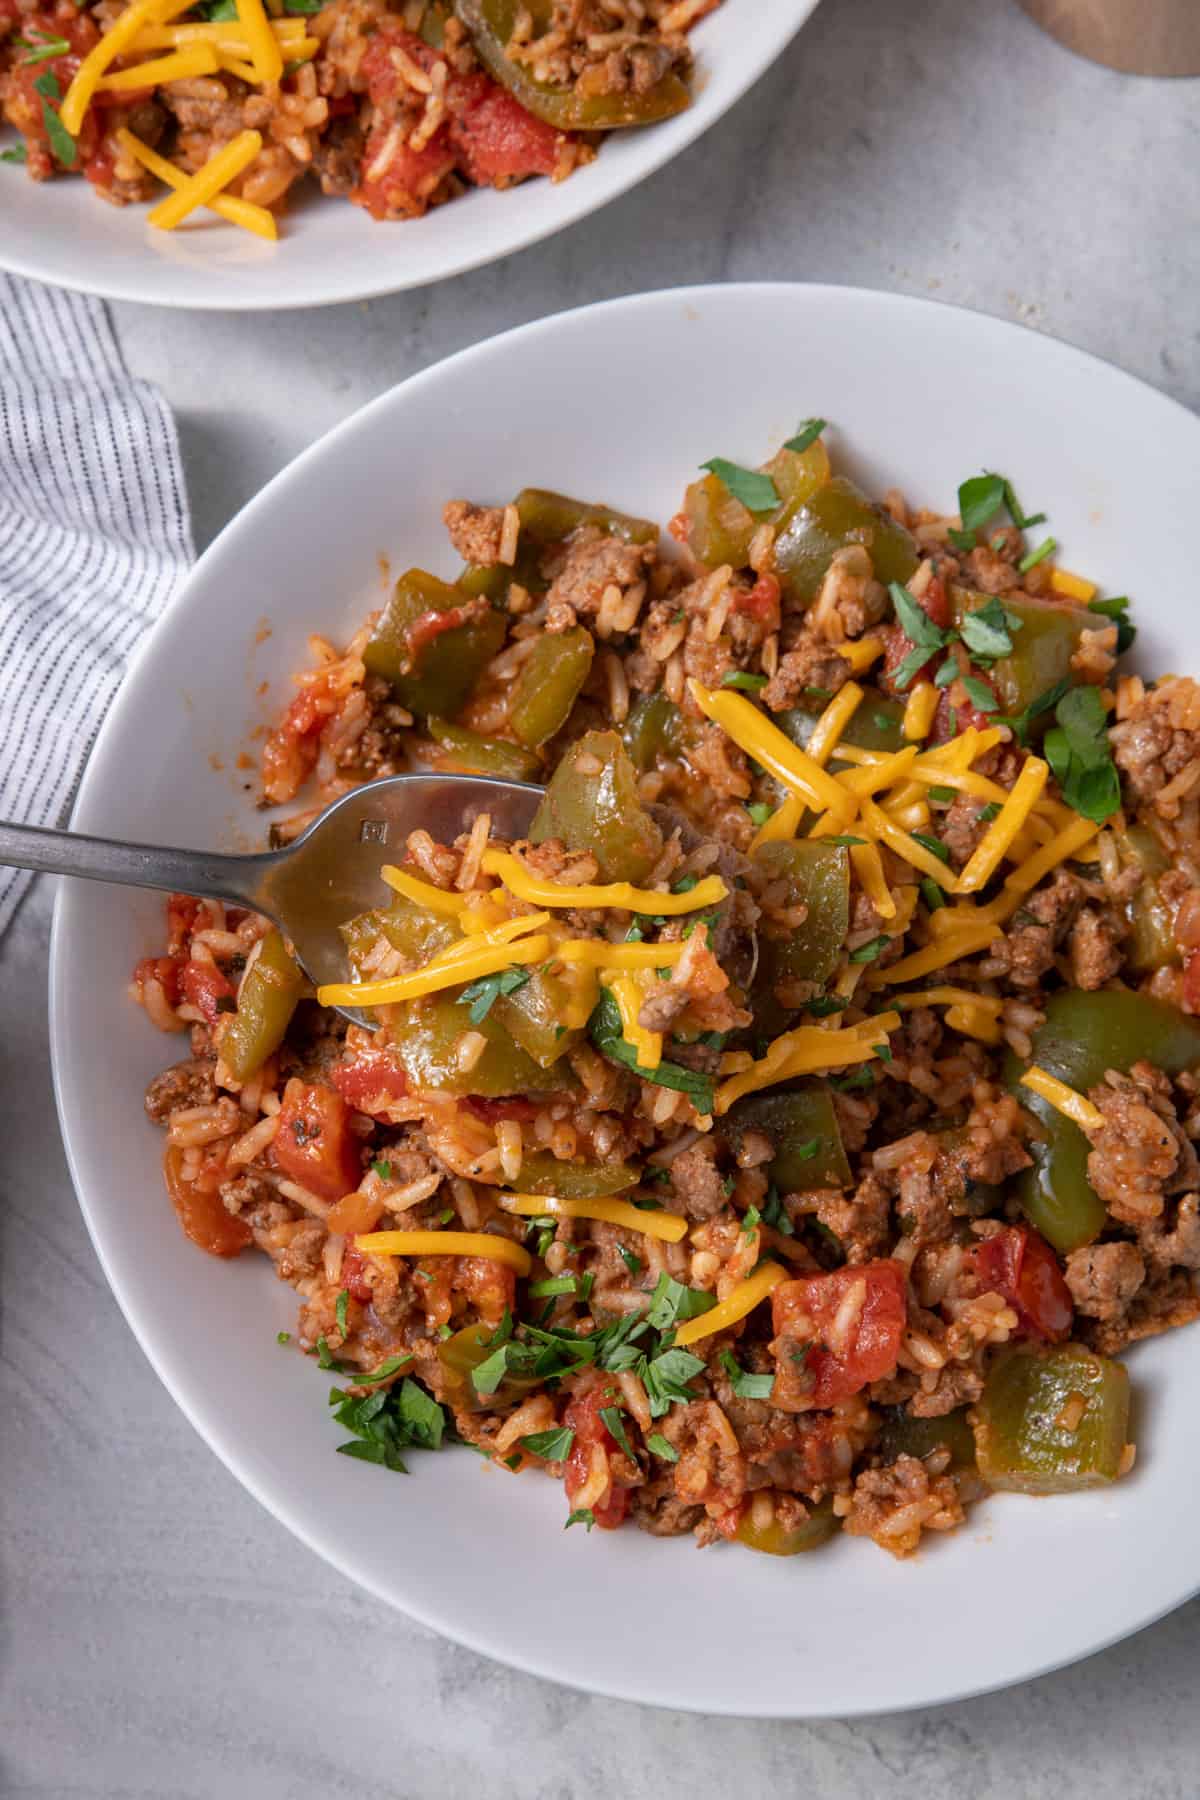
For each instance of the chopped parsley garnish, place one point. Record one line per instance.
(61, 141)
(614, 1424)
(483, 994)
(1077, 750)
(745, 1384)
(807, 434)
(1117, 610)
(987, 631)
(741, 678)
(932, 894)
(921, 632)
(658, 1445)
(934, 845)
(18, 154)
(987, 813)
(304, 7)
(666, 1379)
(759, 812)
(1022, 723)
(387, 1421)
(806, 1150)
(283, 1337)
(943, 794)
(583, 1515)
(555, 1284)
(845, 842)
(822, 1005)
(751, 1220)
(980, 694)
(846, 1084)
(383, 1168)
(551, 1446)
(1046, 548)
(671, 1303)
(632, 1263)
(390, 1366)
(774, 1214)
(883, 721)
(947, 672)
(978, 499)
(757, 493)
(604, 1027)
(816, 693)
(868, 952)
(42, 48)
(220, 11)
(339, 1310)
(1021, 519)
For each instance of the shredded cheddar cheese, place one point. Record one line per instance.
(919, 709)
(238, 212)
(1071, 838)
(628, 995)
(868, 866)
(744, 1298)
(532, 888)
(1066, 1100)
(805, 1051)
(754, 733)
(207, 183)
(265, 53)
(978, 1015)
(782, 825)
(223, 35)
(833, 721)
(878, 823)
(114, 43)
(1072, 587)
(434, 977)
(861, 653)
(597, 953)
(999, 835)
(666, 1226)
(179, 65)
(446, 1243)
(950, 948)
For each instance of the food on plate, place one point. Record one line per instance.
(786, 1137)
(400, 107)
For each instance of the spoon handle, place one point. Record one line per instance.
(132, 865)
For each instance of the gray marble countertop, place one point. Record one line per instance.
(160, 1635)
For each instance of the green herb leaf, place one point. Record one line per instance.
(757, 493)
(1117, 609)
(987, 813)
(980, 694)
(551, 1446)
(947, 672)
(751, 1220)
(387, 1421)
(304, 7)
(1021, 519)
(556, 1284)
(844, 842)
(943, 794)
(822, 1005)
(604, 1027)
(932, 894)
(934, 845)
(382, 1168)
(658, 1445)
(219, 11)
(807, 434)
(1077, 750)
(666, 1379)
(806, 1150)
(390, 1366)
(1022, 723)
(420, 1415)
(483, 994)
(582, 1516)
(741, 678)
(746, 1386)
(614, 1424)
(47, 86)
(774, 1213)
(339, 1309)
(759, 812)
(1045, 548)
(18, 154)
(987, 630)
(283, 1337)
(860, 1078)
(62, 144)
(868, 952)
(43, 49)
(978, 499)
(672, 1303)
(632, 1263)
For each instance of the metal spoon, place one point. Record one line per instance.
(330, 872)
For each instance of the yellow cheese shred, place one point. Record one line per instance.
(735, 1306)
(432, 979)
(597, 953)
(207, 183)
(1072, 587)
(668, 1227)
(861, 653)
(113, 44)
(236, 65)
(178, 65)
(868, 866)
(222, 34)
(1024, 879)
(881, 826)
(948, 949)
(805, 1051)
(782, 825)
(833, 721)
(754, 733)
(977, 1015)
(629, 996)
(238, 212)
(999, 835)
(526, 886)
(265, 53)
(1066, 1100)
(445, 1243)
(919, 709)
(495, 938)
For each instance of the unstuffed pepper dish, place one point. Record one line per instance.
(786, 1137)
(229, 105)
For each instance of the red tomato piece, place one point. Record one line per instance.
(834, 1333)
(25, 104)
(200, 1209)
(1019, 1264)
(496, 140)
(491, 1110)
(583, 1418)
(354, 1275)
(313, 1145)
(182, 912)
(204, 986)
(164, 969)
(954, 717)
(761, 602)
(935, 604)
(371, 1085)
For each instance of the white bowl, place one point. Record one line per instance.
(920, 396)
(329, 250)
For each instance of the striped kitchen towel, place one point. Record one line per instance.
(94, 539)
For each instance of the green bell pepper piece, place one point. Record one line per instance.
(795, 1120)
(461, 1355)
(474, 755)
(655, 729)
(778, 1540)
(548, 519)
(836, 515)
(1083, 1037)
(542, 1173)
(427, 1032)
(431, 667)
(1022, 1440)
(417, 934)
(549, 684)
(533, 1015)
(432, 29)
(1042, 648)
(491, 23)
(1151, 943)
(719, 527)
(818, 877)
(874, 725)
(592, 803)
(266, 1001)
(904, 1435)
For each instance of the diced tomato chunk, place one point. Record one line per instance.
(313, 1144)
(182, 912)
(354, 1275)
(1019, 1264)
(954, 716)
(583, 1418)
(200, 1209)
(514, 1107)
(761, 602)
(371, 1085)
(204, 986)
(935, 604)
(496, 139)
(834, 1333)
(163, 969)
(26, 103)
